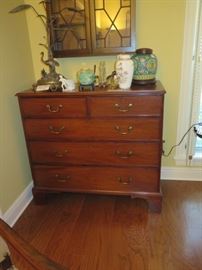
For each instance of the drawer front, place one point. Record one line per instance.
(126, 106)
(91, 130)
(53, 107)
(97, 179)
(114, 154)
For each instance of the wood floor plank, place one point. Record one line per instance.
(66, 218)
(94, 232)
(91, 234)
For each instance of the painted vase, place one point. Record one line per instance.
(145, 66)
(124, 71)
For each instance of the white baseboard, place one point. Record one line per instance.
(181, 173)
(17, 208)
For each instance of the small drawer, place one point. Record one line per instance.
(140, 129)
(113, 154)
(95, 179)
(126, 106)
(53, 107)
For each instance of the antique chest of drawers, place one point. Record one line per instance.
(102, 141)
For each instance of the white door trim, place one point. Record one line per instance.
(185, 98)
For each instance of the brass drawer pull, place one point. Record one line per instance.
(62, 178)
(60, 154)
(130, 128)
(54, 109)
(124, 155)
(125, 182)
(118, 106)
(55, 130)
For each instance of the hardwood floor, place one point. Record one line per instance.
(89, 232)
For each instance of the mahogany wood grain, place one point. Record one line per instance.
(126, 106)
(94, 129)
(89, 232)
(95, 153)
(23, 255)
(155, 89)
(53, 107)
(106, 141)
(97, 179)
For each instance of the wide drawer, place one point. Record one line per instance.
(107, 179)
(53, 107)
(126, 106)
(94, 129)
(126, 154)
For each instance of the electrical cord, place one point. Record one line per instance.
(174, 146)
(197, 133)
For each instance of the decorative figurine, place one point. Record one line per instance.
(112, 81)
(67, 85)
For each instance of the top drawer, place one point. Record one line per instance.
(53, 107)
(126, 106)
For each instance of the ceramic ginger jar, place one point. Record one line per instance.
(145, 66)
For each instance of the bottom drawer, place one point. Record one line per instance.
(100, 179)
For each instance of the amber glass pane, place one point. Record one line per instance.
(68, 24)
(113, 23)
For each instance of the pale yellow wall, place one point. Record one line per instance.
(160, 25)
(37, 35)
(16, 73)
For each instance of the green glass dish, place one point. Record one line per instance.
(86, 77)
